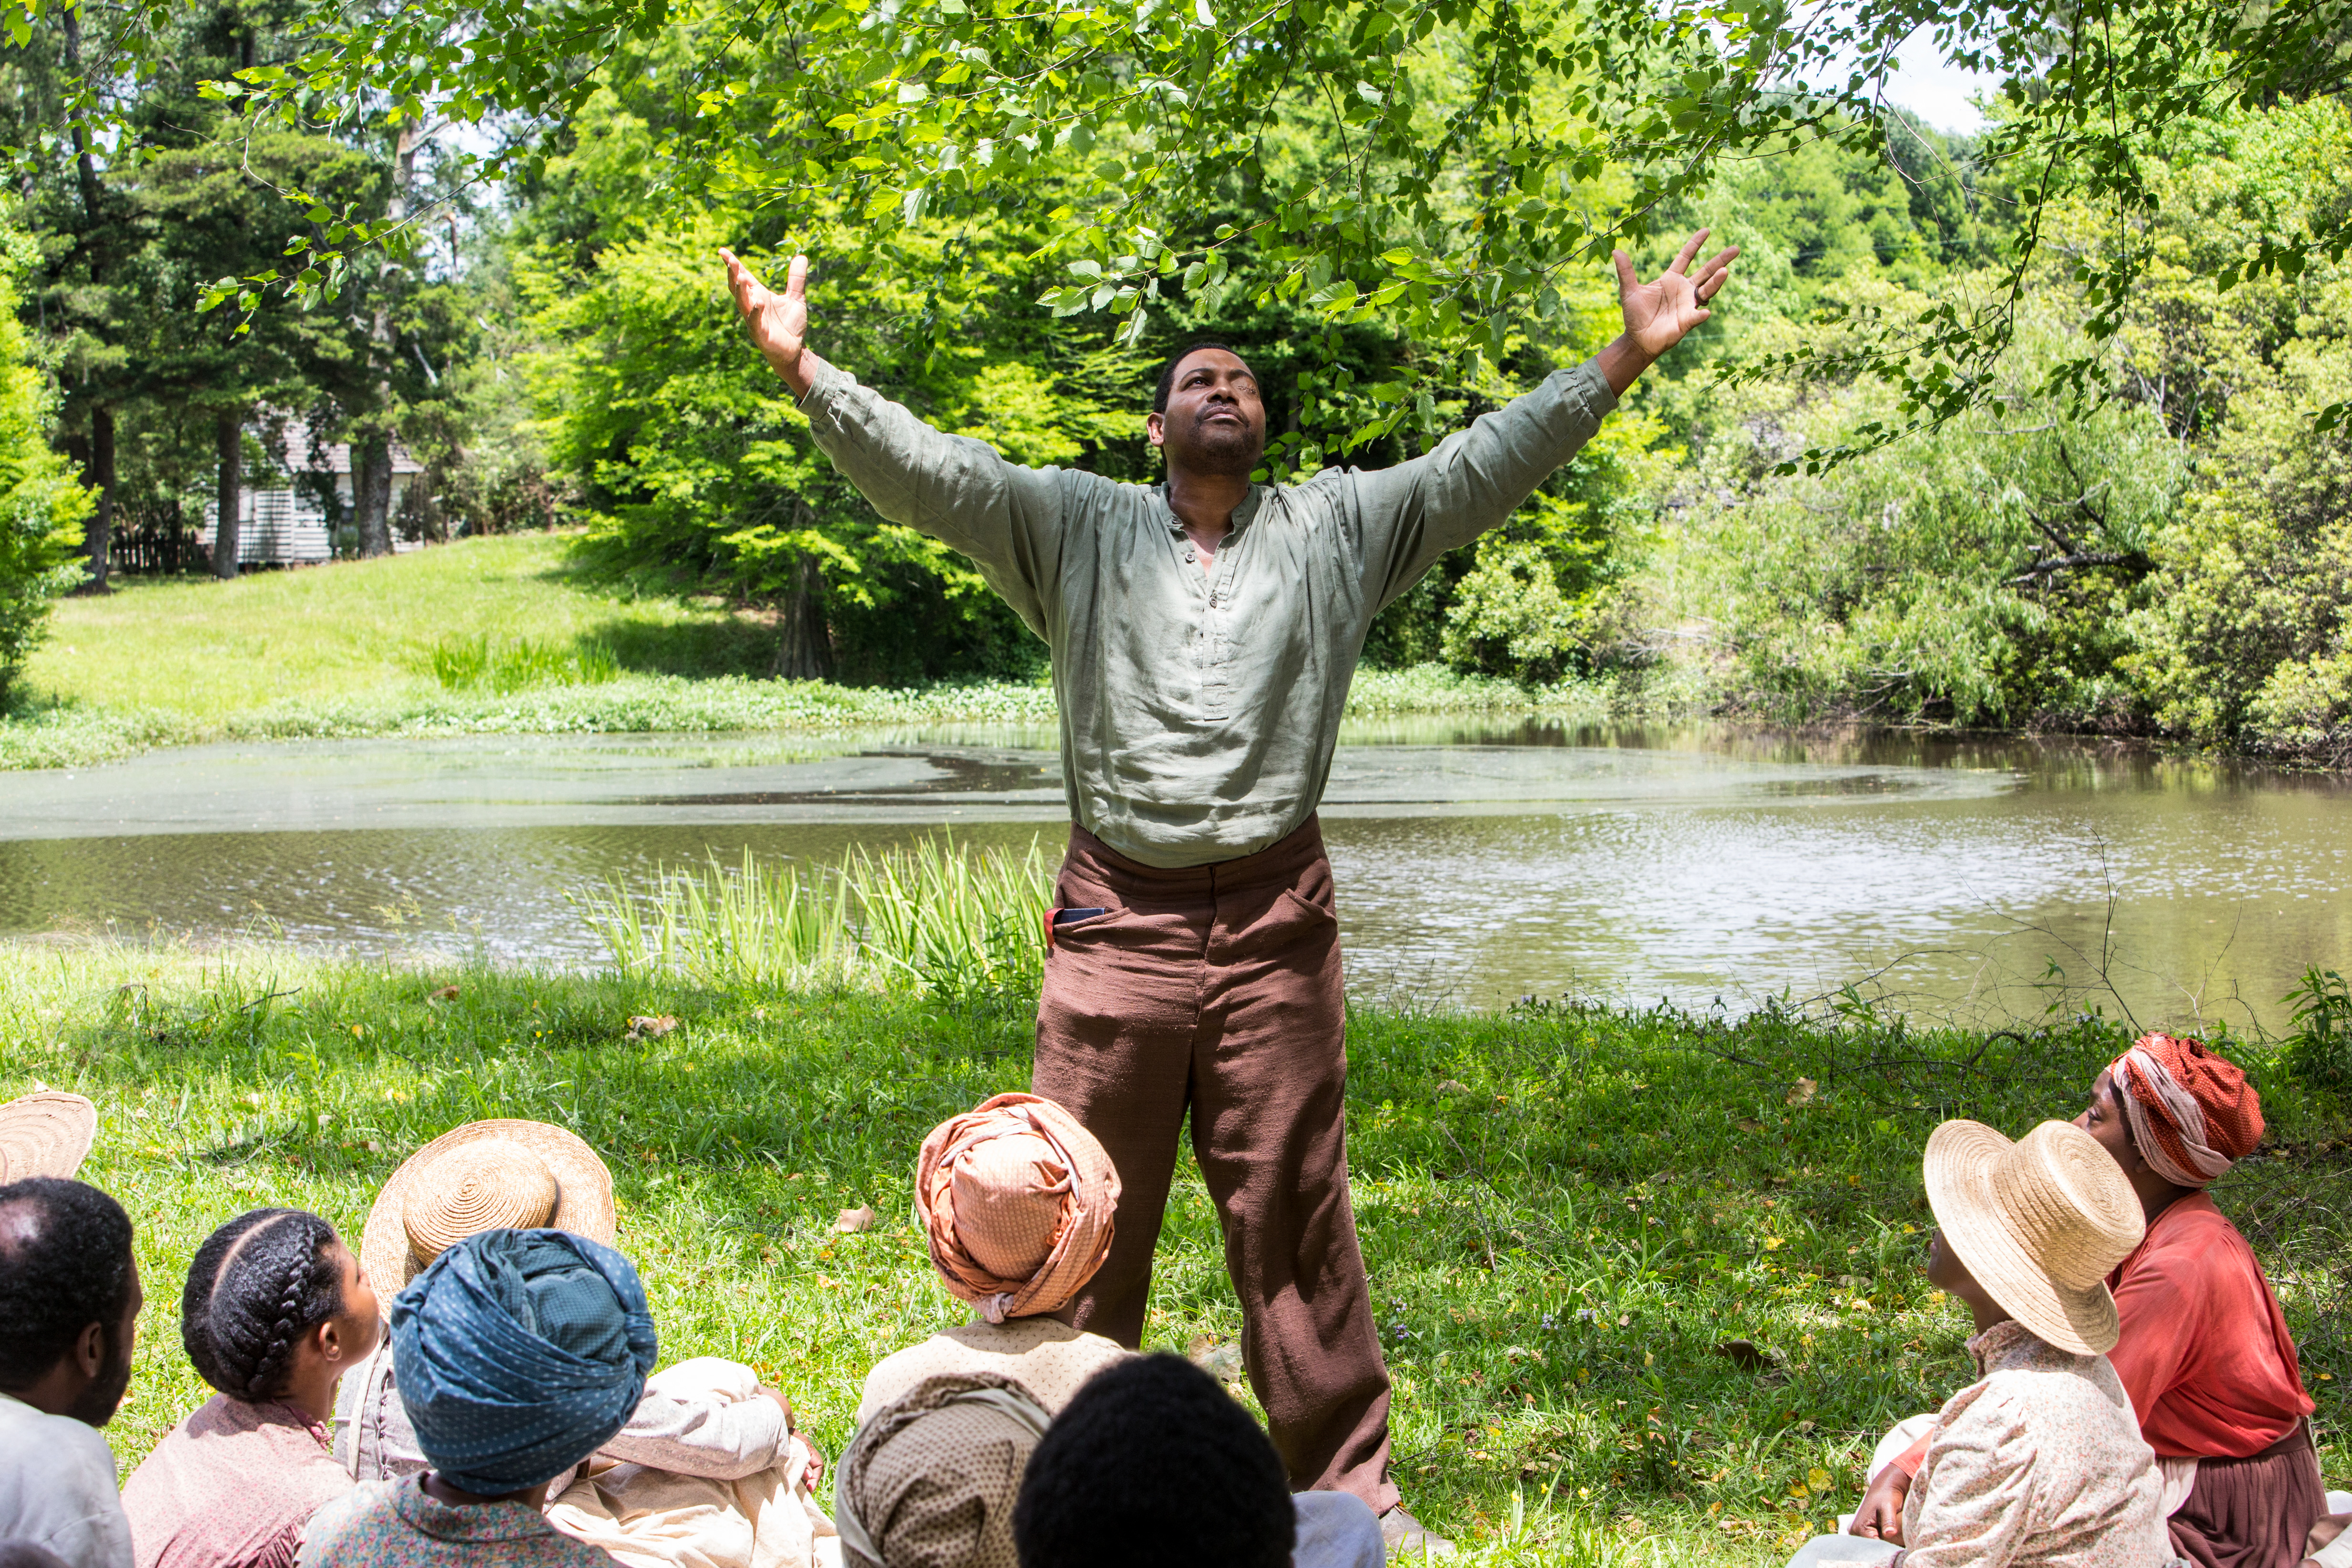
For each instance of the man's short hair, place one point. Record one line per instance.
(65, 1264)
(1153, 1465)
(1168, 371)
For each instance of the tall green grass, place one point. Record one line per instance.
(516, 664)
(937, 917)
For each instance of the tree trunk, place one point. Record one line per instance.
(371, 455)
(371, 494)
(803, 650)
(98, 537)
(85, 165)
(228, 430)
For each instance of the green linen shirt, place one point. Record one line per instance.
(1200, 708)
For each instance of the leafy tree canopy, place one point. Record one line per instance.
(1421, 163)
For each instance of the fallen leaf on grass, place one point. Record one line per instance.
(446, 994)
(1802, 1091)
(1219, 1359)
(857, 1219)
(1747, 1353)
(644, 1027)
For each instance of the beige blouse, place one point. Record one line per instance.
(2039, 1461)
(1043, 1355)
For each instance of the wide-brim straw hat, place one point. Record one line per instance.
(2038, 1223)
(485, 1175)
(46, 1134)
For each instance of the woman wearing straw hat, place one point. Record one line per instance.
(2202, 1346)
(2039, 1461)
(498, 1175)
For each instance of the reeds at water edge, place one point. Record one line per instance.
(937, 917)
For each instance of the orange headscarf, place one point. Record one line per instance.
(2192, 1113)
(1016, 1197)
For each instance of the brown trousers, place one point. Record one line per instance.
(1217, 987)
(2253, 1513)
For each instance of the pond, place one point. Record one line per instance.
(1476, 864)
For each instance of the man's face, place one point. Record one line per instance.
(1215, 422)
(102, 1396)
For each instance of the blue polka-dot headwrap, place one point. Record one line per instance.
(520, 1353)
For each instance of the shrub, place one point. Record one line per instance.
(2247, 640)
(477, 664)
(41, 506)
(2319, 1051)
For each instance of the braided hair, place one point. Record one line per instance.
(258, 1285)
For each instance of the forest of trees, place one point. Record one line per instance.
(2130, 519)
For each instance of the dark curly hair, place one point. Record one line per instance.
(65, 1264)
(258, 1285)
(1154, 1466)
(1175, 363)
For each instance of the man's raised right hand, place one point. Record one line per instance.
(779, 322)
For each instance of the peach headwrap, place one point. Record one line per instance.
(1017, 1199)
(2192, 1112)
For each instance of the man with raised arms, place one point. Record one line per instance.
(1203, 633)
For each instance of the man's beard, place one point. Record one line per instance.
(1222, 449)
(103, 1397)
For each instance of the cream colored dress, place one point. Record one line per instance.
(647, 1518)
(1043, 1355)
(2039, 1462)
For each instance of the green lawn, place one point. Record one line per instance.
(347, 650)
(207, 650)
(1565, 1210)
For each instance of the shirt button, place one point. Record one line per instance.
(1192, 555)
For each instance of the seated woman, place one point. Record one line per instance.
(276, 1309)
(1016, 1198)
(520, 1352)
(527, 1174)
(2038, 1461)
(2204, 1350)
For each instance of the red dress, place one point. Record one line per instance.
(2205, 1354)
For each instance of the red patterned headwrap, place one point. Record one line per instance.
(1016, 1198)
(2192, 1112)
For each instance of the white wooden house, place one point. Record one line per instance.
(280, 525)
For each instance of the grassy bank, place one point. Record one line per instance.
(1566, 1211)
(487, 636)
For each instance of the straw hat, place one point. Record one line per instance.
(44, 1134)
(485, 1175)
(2038, 1223)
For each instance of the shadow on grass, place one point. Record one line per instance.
(738, 643)
(743, 644)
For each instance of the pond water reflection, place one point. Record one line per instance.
(1475, 863)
